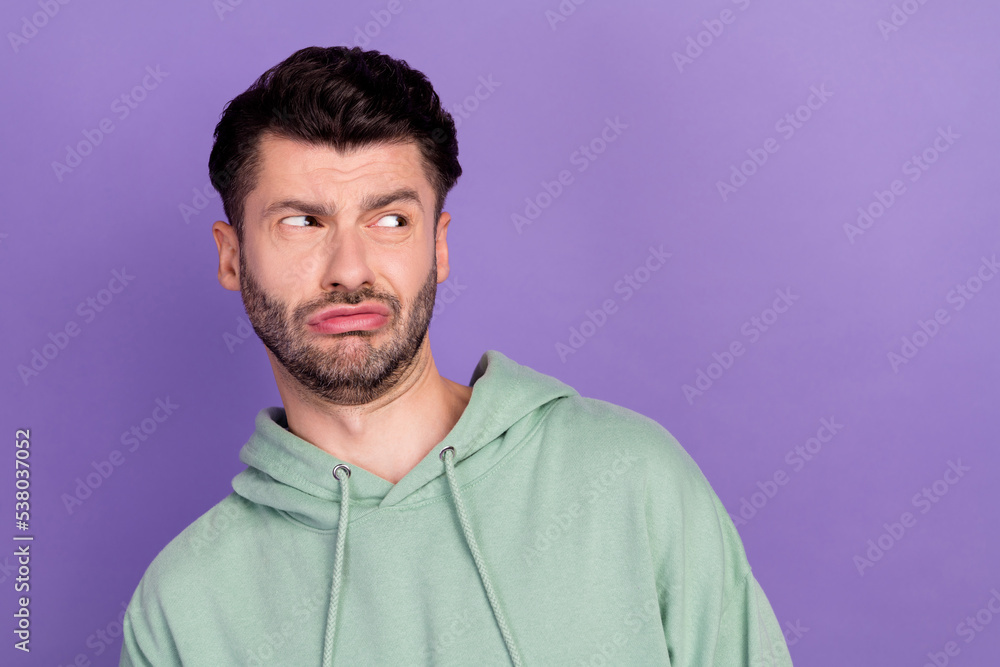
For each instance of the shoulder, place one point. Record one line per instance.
(651, 466)
(180, 580)
(609, 419)
(197, 551)
(592, 426)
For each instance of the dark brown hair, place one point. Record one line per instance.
(340, 97)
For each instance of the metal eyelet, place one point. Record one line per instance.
(441, 455)
(338, 467)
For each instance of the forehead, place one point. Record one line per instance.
(294, 168)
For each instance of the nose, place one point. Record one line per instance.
(345, 263)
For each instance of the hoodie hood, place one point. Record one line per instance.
(291, 475)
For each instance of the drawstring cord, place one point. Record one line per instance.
(470, 540)
(338, 564)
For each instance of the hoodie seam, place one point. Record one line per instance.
(285, 514)
(304, 484)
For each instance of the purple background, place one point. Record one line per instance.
(170, 333)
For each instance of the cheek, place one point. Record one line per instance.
(407, 281)
(286, 273)
(295, 272)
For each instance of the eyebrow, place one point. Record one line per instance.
(370, 202)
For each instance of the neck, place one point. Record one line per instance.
(389, 436)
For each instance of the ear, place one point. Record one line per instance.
(229, 255)
(441, 247)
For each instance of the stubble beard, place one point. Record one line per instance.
(347, 370)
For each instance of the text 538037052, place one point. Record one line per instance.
(22, 546)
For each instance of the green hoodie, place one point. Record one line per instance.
(554, 530)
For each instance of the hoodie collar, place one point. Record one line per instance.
(292, 475)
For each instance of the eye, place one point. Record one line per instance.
(402, 219)
(298, 220)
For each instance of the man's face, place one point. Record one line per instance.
(316, 236)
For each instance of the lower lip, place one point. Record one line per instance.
(360, 322)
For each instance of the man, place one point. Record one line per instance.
(388, 515)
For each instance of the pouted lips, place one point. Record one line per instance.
(338, 319)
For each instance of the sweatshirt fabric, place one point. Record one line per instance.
(547, 528)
